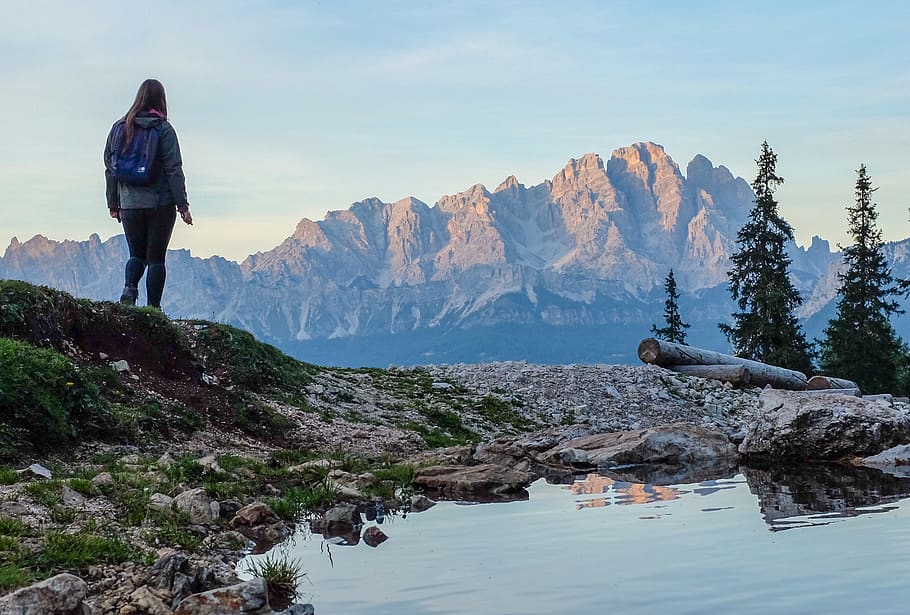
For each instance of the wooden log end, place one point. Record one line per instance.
(649, 350)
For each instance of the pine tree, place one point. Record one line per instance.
(765, 328)
(675, 331)
(860, 343)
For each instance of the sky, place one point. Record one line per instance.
(286, 109)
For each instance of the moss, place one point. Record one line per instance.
(45, 401)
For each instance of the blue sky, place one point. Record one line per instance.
(288, 109)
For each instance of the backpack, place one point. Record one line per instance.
(138, 163)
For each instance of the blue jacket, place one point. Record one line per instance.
(168, 189)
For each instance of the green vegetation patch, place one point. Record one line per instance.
(45, 401)
(501, 413)
(8, 476)
(251, 364)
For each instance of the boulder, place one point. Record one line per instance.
(487, 481)
(677, 444)
(200, 507)
(249, 598)
(59, 595)
(258, 522)
(148, 602)
(797, 426)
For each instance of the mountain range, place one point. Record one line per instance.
(568, 270)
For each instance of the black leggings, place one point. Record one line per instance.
(148, 232)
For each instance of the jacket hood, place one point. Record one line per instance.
(148, 120)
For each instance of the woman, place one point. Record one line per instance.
(147, 209)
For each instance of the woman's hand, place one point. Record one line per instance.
(186, 216)
(115, 214)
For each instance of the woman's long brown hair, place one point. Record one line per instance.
(150, 96)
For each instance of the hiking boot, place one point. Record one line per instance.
(129, 295)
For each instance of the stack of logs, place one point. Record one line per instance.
(709, 364)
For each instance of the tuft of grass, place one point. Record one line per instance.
(8, 476)
(82, 485)
(10, 526)
(12, 576)
(298, 501)
(47, 492)
(282, 575)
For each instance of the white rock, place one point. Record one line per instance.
(121, 365)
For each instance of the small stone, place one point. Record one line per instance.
(197, 503)
(420, 503)
(103, 481)
(209, 464)
(166, 461)
(373, 536)
(103, 356)
(161, 503)
(38, 470)
(121, 365)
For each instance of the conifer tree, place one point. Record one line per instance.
(675, 331)
(765, 328)
(860, 343)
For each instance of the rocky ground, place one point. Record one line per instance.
(167, 450)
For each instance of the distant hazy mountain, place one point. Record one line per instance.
(570, 270)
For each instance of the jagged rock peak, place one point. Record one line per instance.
(645, 152)
(508, 183)
(409, 202)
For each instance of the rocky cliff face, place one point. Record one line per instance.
(589, 248)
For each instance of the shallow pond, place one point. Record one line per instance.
(606, 545)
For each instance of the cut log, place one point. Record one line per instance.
(827, 382)
(734, 374)
(665, 354)
(848, 392)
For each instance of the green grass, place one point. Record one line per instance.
(45, 401)
(82, 485)
(47, 492)
(78, 551)
(8, 476)
(12, 527)
(256, 366)
(501, 413)
(298, 501)
(12, 576)
(171, 529)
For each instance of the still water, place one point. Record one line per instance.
(820, 541)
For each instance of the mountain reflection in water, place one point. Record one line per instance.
(787, 497)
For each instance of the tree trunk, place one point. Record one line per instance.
(827, 382)
(734, 374)
(664, 354)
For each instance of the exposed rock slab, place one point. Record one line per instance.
(250, 598)
(797, 426)
(487, 481)
(667, 444)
